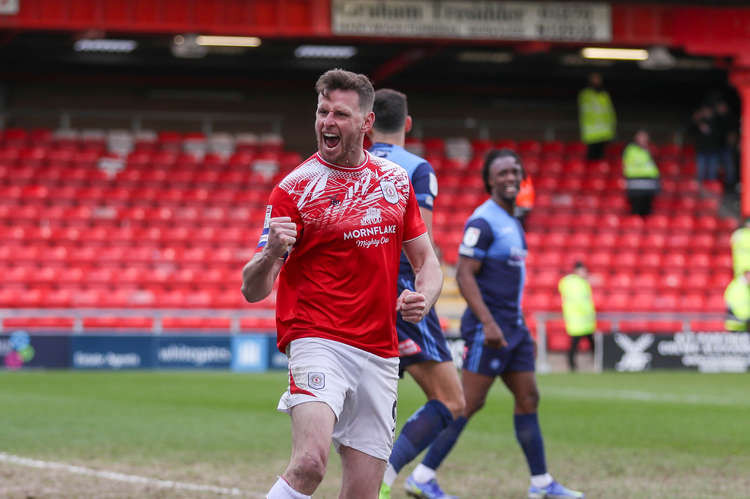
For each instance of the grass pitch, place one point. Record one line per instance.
(658, 434)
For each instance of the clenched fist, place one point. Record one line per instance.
(282, 234)
(412, 305)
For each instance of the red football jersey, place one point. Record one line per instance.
(339, 279)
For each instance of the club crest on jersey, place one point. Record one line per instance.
(471, 236)
(316, 381)
(389, 191)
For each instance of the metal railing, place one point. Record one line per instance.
(158, 315)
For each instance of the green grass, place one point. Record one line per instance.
(656, 434)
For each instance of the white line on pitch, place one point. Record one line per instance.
(640, 396)
(122, 477)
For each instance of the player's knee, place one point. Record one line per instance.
(528, 402)
(308, 468)
(472, 408)
(456, 405)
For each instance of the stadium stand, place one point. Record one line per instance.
(638, 265)
(113, 219)
(169, 227)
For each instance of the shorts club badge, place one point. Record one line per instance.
(316, 381)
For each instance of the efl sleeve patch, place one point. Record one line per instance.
(433, 185)
(266, 227)
(471, 236)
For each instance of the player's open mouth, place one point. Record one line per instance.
(331, 140)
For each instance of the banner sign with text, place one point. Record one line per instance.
(193, 352)
(495, 20)
(112, 352)
(8, 7)
(701, 351)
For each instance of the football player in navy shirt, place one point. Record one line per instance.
(491, 272)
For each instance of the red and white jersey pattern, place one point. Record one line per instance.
(339, 279)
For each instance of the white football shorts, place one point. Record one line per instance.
(361, 389)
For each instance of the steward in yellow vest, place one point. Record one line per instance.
(578, 309)
(596, 117)
(741, 248)
(641, 174)
(737, 298)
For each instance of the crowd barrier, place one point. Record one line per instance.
(699, 351)
(239, 352)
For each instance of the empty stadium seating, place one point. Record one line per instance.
(99, 219)
(170, 226)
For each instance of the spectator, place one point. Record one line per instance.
(706, 135)
(727, 136)
(741, 248)
(641, 174)
(737, 297)
(596, 117)
(578, 309)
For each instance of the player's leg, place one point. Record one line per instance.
(321, 373)
(363, 434)
(439, 381)
(426, 356)
(475, 388)
(590, 338)
(529, 435)
(361, 473)
(572, 352)
(312, 426)
(522, 385)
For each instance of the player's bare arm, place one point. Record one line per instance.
(466, 271)
(259, 274)
(414, 305)
(427, 219)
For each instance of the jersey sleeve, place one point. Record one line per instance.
(280, 204)
(414, 226)
(477, 239)
(425, 185)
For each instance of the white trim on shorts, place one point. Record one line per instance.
(361, 389)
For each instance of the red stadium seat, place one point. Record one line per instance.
(651, 258)
(663, 326)
(575, 149)
(258, 324)
(506, 144)
(715, 303)
(37, 323)
(115, 323)
(618, 301)
(529, 147)
(191, 323)
(707, 325)
(692, 302)
(666, 302)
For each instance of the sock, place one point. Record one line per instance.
(419, 432)
(444, 443)
(390, 475)
(541, 481)
(422, 473)
(529, 436)
(282, 490)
